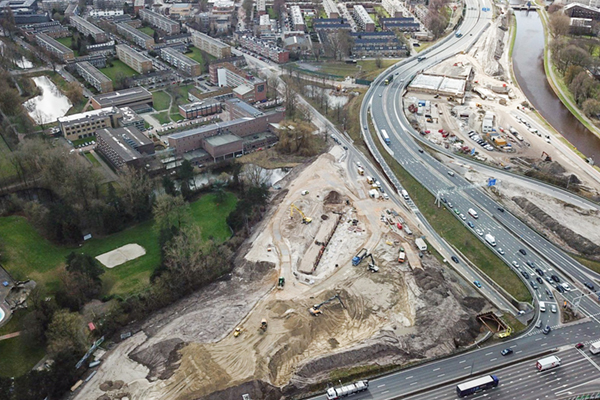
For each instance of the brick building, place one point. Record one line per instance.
(138, 37)
(181, 62)
(159, 21)
(363, 19)
(124, 146)
(54, 47)
(200, 108)
(86, 28)
(136, 98)
(251, 88)
(263, 48)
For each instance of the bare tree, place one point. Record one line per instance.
(254, 175)
(170, 211)
(559, 24)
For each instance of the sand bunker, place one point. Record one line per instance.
(121, 255)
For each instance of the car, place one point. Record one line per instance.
(525, 274)
(470, 224)
(553, 308)
(530, 263)
(500, 209)
(506, 352)
(560, 288)
(515, 264)
(548, 279)
(345, 147)
(455, 259)
(500, 251)
(451, 173)
(589, 285)
(421, 151)
(444, 200)
(380, 95)
(546, 330)
(462, 216)
(538, 324)
(479, 232)
(533, 285)
(456, 211)
(477, 283)
(450, 204)
(522, 251)
(539, 272)
(555, 278)
(566, 287)
(549, 293)
(540, 281)
(579, 346)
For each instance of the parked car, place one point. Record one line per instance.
(506, 352)
(539, 324)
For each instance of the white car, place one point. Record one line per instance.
(479, 232)
(553, 308)
(462, 216)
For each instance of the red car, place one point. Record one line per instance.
(579, 346)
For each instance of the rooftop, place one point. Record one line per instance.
(208, 128)
(99, 76)
(221, 140)
(133, 53)
(124, 141)
(125, 95)
(130, 29)
(174, 53)
(76, 118)
(89, 26)
(247, 108)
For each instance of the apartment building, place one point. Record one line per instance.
(134, 59)
(94, 77)
(160, 21)
(200, 108)
(54, 47)
(297, 18)
(138, 37)
(363, 19)
(377, 44)
(245, 85)
(125, 146)
(212, 46)
(53, 29)
(406, 24)
(86, 28)
(393, 7)
(331, 9)
(261, 7)
(84, 125)
(330, 24)
(181, 62)
(263, 48)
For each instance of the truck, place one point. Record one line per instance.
(370, 180)
(361, 171)
(473, 213)
(421, 245)
(490, 239)
(595, 348)
(347, 390)
(401, 257)
(404, 194)
(388, 80)
(547, 363)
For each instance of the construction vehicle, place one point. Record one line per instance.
(372, 266)
(305, 219)
(547, 158)
(281, 282)
(401, 256)
(357, 259)
(263, 325)
(316, 309)
(238, 331)
(506, 333)
(361, 171)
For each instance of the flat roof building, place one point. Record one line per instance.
(135, 98)
(263, 48)
(160, 21)
(297, 18)
(222, 146)
(181, 62)
(200, 108)
(134, 59)
(363, 19)
(124, 146)
(54, 47)
(228, 75)
(331, 9)
(86, 28)
(94, 77)
(393, 7)
(138, 37)
(84, 125)
(212, 46)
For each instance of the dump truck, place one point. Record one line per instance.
(595, 348)
(490, 239)
(401, 257)
(547, 363)
(361, 171)
(347, 390)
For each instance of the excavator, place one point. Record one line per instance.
(506, 333)
(364, 253)
(305, 219)
(315, 310)
(547, 158)
(263, 325)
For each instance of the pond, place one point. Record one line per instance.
(50, 105)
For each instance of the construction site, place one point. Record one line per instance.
(331, 280)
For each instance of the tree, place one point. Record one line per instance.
(84, 264)
(169, 211)
(121, 80)
(591, 108)
(136, 193)
(291, 101)
(581, 87)
(65, 333)
(7, 22)
(184, 257)
(559, 24)
(74, 92)
(169, 185)
(378, 62)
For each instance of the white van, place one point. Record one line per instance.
(542, 306)
(451, 173)
(405, 194)
(473, 213)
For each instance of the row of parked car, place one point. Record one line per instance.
(479, 140)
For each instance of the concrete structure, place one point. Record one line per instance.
(239, 109)
(160, 21)
(111, 12)
(363, 19)
(331, 9)
(200, 109)
(128, 117)
(488, 122)
(54, 47)
(581, 26)
(138, 37)
(264, 24)
(124, 146)
(591, 3)
(181, 10)
(86, 28)
(136, 97)
(297, 18)
(24, 11)
(263, 48)
(223, 146)
(212, 46)
(135, 60)
(94, 77)
(84, 125)
(181, 62)
(441, 85)
(227, 75)
(220, 14)
(53, 29)
(138, 5)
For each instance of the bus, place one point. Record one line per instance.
(385, 137)
(458, 34)
(477, 385)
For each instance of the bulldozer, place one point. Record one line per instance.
(238, 331)
(263, 325)
(315, 310)
(305, 219)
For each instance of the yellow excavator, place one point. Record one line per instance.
(305, 219)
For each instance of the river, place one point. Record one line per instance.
(528, 61)
(50, 105)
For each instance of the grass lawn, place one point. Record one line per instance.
(18, 356)
(77, 142)
(7, 170)
(92, 159)
(28, 255)
(176, 117)
(370, 69)
(118, 66)
(67, 41)
(162, 117)
(161, 100)
(147, 30)
(195, 54)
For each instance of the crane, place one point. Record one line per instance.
(316, 309)
(305, 219)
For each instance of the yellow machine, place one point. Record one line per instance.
(238, 331)
(305, 219)
(263, 325)
(506, 333)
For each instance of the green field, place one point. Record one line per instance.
(7, 169)
(161, 100)
(92, 159)
(197, 55)
(28, 255)
(162, 117)
(118, 66)
(147, 30)
(67, 41)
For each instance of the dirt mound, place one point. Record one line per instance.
(162, 358)
(333, 197)
(110, 385)
(574, 240)
(255, 389)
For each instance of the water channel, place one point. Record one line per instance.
(528, 60)
(50, 105)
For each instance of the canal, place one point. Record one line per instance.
(528, 62)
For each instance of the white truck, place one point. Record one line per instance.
(347, 390)
(547, 363)
(490, 239)
(473, 213)
(595, 348)
(404, 194)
